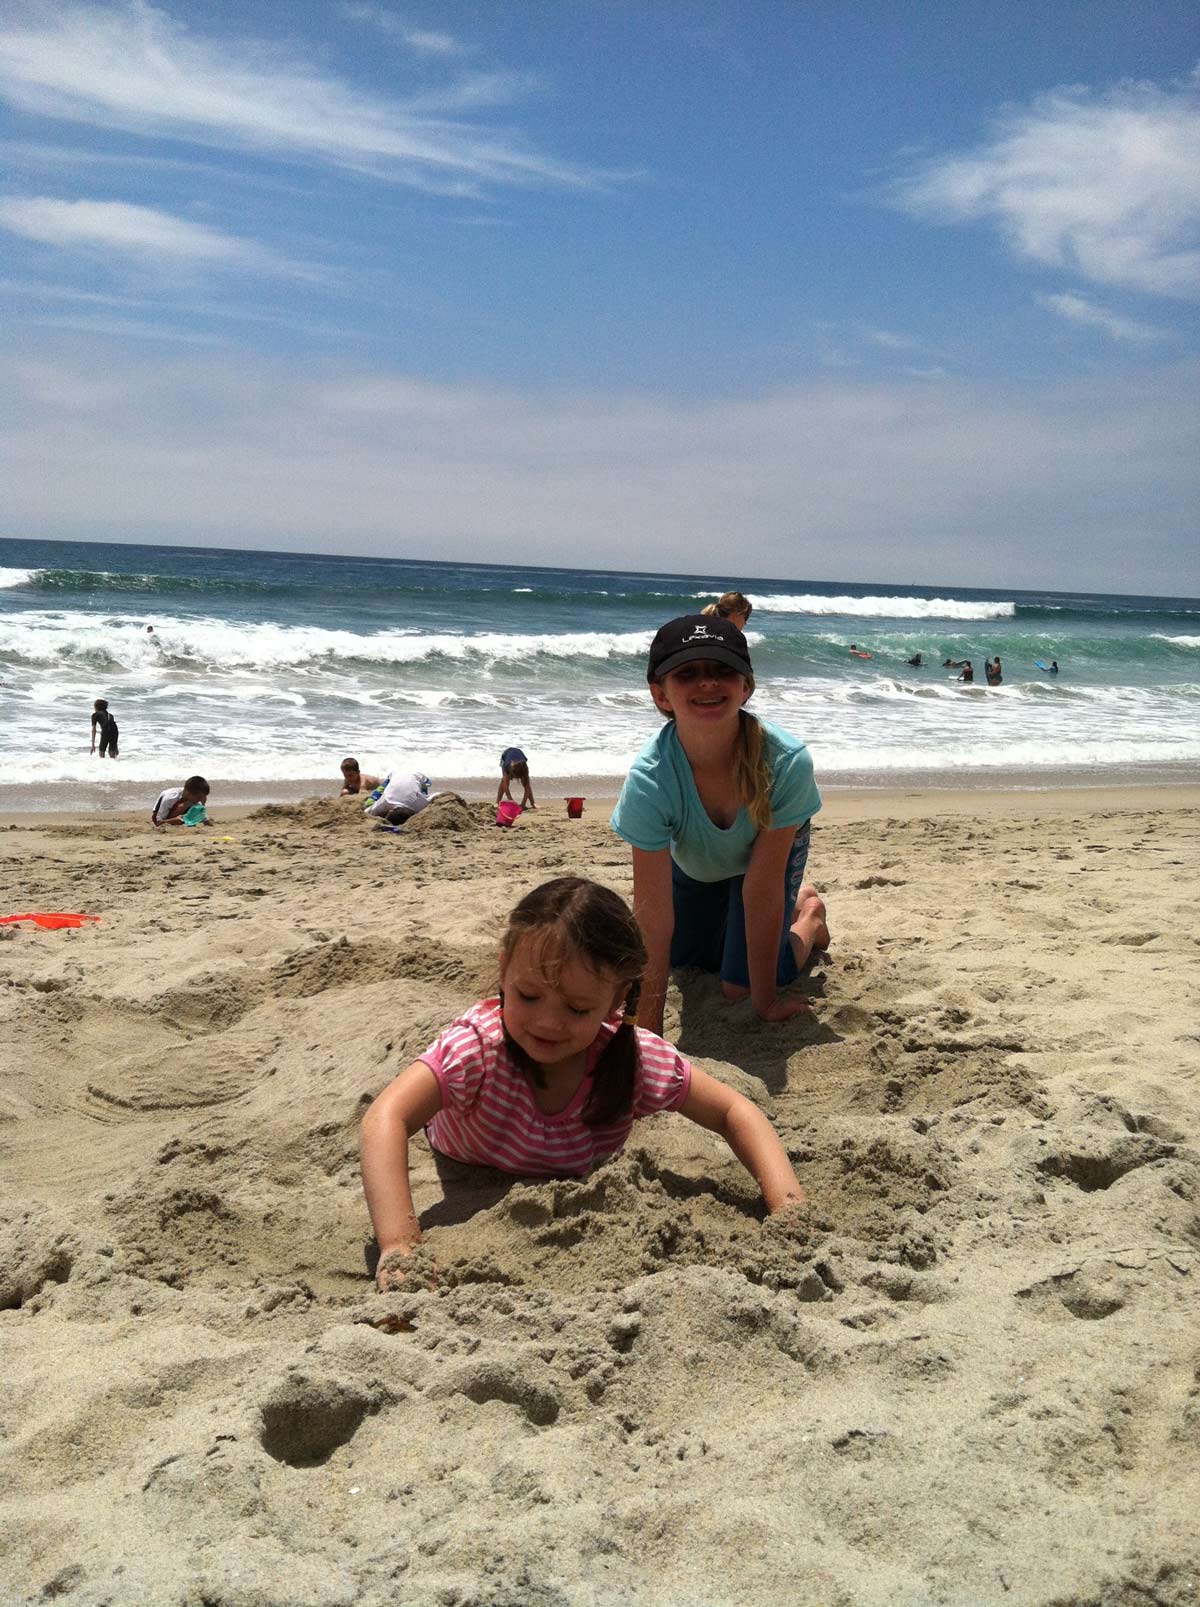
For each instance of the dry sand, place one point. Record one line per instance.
(973, 1376)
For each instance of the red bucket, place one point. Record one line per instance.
(507, 812)
(574, 808)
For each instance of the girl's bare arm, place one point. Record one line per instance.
(402, 1109)
(749, 1135)
(762, 899)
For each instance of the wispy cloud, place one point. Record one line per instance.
(133, 67)
(1105, 185)
(138, 232)
(890, 340)
(389, 23)
(136, 329)
(1083, 310)
(840, 345)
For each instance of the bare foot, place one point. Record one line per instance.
(809, 930)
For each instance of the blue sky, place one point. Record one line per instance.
(856, 291)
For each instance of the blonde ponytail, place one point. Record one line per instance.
(751, 772)
(730, 603)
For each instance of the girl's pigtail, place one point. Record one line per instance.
(751, 772)
(614, 1075)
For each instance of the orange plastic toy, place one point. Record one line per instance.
(50, 921)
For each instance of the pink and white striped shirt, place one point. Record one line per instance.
(488, 1115)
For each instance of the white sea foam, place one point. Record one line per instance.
(1177, 641)
(44, 637)
(882, 607)
(16, 577)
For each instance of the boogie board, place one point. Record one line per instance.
(1042, 666)
(854, 653)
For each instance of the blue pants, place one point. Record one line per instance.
(710, 921)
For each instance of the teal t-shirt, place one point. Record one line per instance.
(659, 806)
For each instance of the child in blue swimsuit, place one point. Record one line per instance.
(514, 766)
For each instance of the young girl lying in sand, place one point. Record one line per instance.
(547, 1079)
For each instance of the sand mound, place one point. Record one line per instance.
(448, 812)
(314, 814)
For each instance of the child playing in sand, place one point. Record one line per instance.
(514, 766)
(175, 802)
(106, 724)
(716, 809)
(403, 795)
(547, 1078)
(354, 781)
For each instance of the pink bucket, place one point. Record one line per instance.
(507, 812)
(574, 808)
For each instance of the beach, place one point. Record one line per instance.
(969, 1374)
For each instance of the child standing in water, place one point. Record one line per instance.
(514, 766)
(547, 1078)
(104, 723)
(716, 809)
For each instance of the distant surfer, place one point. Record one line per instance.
(993, 672)
(966, 673)
(858, 651)
(915, 661)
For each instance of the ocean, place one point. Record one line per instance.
(270, 667)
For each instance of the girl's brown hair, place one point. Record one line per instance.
(572, 918)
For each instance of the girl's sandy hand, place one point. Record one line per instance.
(785, 1009)
(406, 1266)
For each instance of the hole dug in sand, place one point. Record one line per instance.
(37, 1248)
(182, 1079)
(1075, 1294)
(495, 1381)
(1099, 1168)
(304, 1419)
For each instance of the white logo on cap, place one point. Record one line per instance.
(700, 634)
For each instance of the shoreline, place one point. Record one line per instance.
(840, 804)
(953, 790)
